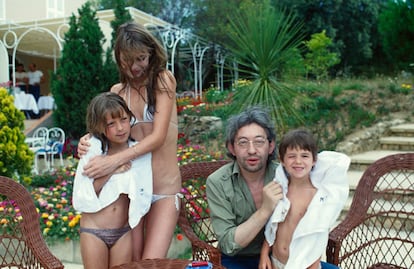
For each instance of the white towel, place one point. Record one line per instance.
(136, 182)
(310, 238)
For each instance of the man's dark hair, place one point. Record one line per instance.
(254, 114)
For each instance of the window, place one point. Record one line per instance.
(2, 10)
(55, 8)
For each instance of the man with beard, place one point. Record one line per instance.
(242, 194)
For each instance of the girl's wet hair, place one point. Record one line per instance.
(300, 139)
(99, 107)
(131, 39)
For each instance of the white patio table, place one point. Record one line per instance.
(26, 102)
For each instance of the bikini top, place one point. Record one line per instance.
(147, 116)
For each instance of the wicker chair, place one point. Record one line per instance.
(194, 219)
(21, 242)
(378, 229)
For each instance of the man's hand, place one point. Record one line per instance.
(272, 194)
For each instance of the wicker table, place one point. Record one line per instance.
(159, 263)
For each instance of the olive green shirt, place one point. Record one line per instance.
(231, 204)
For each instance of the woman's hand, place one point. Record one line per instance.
(83, 145)
(100, 166)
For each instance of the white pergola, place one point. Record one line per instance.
(45, 39)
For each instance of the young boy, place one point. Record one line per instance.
(315, 189)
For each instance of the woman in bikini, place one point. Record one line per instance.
(110, 206)
(149, 90)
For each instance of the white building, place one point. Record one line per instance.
(33, 31)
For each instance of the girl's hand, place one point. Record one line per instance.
(83, 145)
(264, 262)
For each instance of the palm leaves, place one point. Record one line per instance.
(263, 39)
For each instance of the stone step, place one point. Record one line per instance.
(361, 161)
(353, 177)
(406, 129)
(403, 143)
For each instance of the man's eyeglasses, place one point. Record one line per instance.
(257, 143)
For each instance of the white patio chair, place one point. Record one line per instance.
(55, 143)
(37, 144)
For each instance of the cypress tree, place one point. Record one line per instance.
(110, 69)
(79, 76)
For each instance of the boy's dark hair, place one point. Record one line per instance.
(298, 138)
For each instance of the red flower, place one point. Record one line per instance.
(180, 237)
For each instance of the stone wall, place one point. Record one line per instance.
(366, 139)
(196, 128)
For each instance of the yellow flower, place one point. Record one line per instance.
(49, 223)
(46, 230)
(65, 218)
(45, 215)
(4, 221)
(72, 223)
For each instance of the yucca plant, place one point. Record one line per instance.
(263, 41)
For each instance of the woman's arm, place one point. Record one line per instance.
(101, 166)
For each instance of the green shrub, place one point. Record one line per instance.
(16, 158)
(319, 59)
(214, 96)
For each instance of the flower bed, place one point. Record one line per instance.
(52, 194)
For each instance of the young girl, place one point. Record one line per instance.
(149, 90)
(111, 205)
(315, 190)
